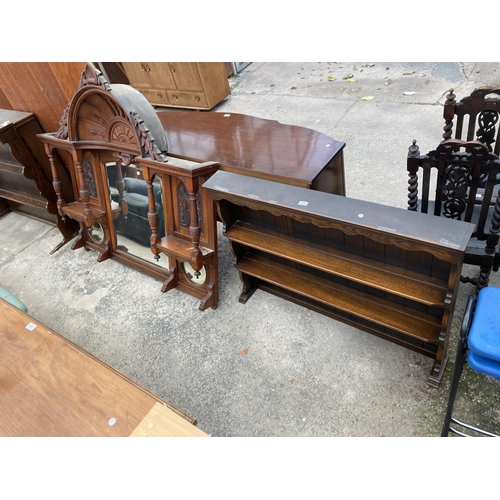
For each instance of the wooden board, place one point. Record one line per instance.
(51, 387)
(161, 421)
(41, 88)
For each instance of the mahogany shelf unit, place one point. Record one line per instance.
(133, 201)
(381, 269)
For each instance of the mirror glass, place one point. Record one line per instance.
(96, 233)
(129, 205)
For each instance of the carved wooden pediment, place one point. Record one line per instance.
(112, 114)
(90, 76)
(94, 115)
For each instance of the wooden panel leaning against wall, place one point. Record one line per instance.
(44, 89)
(41, 88)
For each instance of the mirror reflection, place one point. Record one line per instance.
(129, 203)
(96, 233)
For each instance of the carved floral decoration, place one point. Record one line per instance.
(184, 207)
(147, 141)
(88, 172)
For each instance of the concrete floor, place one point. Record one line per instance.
(303, 374)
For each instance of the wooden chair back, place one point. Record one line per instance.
(475, 117)
(464, 187)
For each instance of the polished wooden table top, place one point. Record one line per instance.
(51, 387)
(262, 148)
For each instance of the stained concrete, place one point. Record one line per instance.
(269, 367)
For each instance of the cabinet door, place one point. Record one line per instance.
(186, 76)
(150, 75)
(139, 74)
(161, 76)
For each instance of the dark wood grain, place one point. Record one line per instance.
(25, 174)
(466, 189)
(4, 102)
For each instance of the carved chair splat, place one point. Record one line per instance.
(476, 117)
(466, 188)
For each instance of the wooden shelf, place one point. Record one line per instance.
(372, 273)
(23, 198)
(378, 268)
(181, 249)
(370, 307)
(76, 209)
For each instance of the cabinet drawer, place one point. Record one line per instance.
(158, 97)
(187, 99)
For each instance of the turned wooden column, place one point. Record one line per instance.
(56, 183)
(88, 216)
(412, 163)
(194, 226)
(152, 215)
(448, 115)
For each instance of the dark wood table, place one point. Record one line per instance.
(25, 176)
(256, 147)
(51, 387)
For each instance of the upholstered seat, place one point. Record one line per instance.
(135, 224)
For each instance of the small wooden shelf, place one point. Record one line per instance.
(76, 210)
(11, 168)
(24, 198)
(181, 249)
(25, 174)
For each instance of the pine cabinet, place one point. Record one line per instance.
(180, 84)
